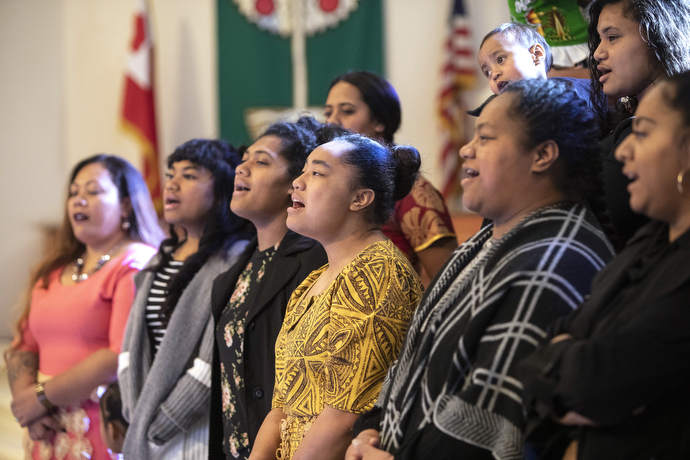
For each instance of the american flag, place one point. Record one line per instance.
(138, 111)
(459, 74)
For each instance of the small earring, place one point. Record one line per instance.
(126, 225)
(679, 180)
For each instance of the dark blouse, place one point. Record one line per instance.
(627, 365)
(230, 340)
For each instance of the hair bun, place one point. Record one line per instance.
(407, 164)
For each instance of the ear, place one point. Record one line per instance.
(545, 155)
(126, 207)
(538, 54)
(362, 198)
(379, 128)
(116, 432)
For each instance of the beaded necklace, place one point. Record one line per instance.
(78, 276)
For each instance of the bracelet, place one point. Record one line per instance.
(43, 399)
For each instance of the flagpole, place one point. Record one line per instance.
(298, 46)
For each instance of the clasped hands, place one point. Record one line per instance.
(30, 413)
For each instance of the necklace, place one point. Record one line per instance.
(78, 276)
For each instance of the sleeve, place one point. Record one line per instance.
(190, 398)
(424, 217)
(369, 315)
(291, 312)
(607, 378)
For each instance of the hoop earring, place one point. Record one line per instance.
(679, 180)
(126, 225)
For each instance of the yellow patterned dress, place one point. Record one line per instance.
(335, 348)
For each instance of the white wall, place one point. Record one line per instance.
(61, 67)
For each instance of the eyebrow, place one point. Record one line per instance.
(320, 162)
(479, 126)
(608, 29)
(638, 120)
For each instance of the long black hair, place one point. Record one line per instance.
(551, 110)
(664, 26)
(221, 229)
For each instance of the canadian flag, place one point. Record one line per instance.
(138, 111)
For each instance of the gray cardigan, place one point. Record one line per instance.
(165, 398)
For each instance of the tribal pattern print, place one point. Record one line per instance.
(335, 348)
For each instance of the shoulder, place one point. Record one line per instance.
(382, 262)
(563, 232)
(138, 255)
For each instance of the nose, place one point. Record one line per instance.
(171, 183)
(467, 151)
(241, 169)
(298, 184)
(79, 199)
(334, 119)
(600, 53)
(624, 151)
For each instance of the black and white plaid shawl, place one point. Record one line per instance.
(455, 371)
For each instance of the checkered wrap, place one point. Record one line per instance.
(455, 373)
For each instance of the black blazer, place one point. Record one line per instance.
(628, 364)
(295, 258)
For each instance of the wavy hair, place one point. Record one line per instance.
(664, 26)
(143, 228)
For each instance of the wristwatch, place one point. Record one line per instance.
(41, 393)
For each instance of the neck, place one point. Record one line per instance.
(341, 252)
(188, 247)
(271, 233)
(680, 225)
(504, 225)
(95, 251)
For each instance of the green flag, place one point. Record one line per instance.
(255, 68)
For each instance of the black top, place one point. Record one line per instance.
(616, 195)
(295, 258)
(628, 365)
(229, 340)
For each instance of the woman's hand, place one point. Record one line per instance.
(26, 407)
(560, 338)
(365, 447)
(368, 437)
(44, 428)
(573, 418)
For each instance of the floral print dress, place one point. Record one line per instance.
(230, 340)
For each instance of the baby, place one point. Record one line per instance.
(513, 51)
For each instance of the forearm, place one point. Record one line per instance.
(268, 438)
(76, 383)
(329, 436)
(22, 370)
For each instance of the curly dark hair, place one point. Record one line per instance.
(664, 26)
(221, 229)
(551, 110)
(390, 172)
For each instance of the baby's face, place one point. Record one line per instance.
(503, 61)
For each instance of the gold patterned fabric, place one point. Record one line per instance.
(335, 348)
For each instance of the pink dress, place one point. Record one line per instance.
(68, 323)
